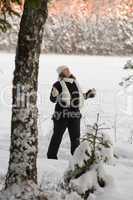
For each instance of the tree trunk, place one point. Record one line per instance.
(24, 133)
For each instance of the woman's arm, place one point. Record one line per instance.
(55, 92)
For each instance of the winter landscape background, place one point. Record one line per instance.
(103, 73)
(82, 27)
(95, 39)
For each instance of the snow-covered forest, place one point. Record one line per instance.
(95, 28)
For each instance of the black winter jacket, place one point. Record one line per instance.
(60, 105)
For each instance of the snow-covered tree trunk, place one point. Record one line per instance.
(24, 133)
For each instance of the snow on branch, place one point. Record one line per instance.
(86, 169)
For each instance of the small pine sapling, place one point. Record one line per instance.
(87, 164)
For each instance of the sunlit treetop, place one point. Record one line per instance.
(13, 7)
(75, 8)
(8, 8)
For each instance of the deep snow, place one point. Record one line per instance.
(103, 73)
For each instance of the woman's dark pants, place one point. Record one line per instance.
(73, 125)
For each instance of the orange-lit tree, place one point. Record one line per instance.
(125, 24)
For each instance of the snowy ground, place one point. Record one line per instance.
(103, 73)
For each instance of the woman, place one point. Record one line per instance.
(67, 95)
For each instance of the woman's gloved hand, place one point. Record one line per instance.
(91, 93)
(55, 92)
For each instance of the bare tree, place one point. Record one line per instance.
(24, 132)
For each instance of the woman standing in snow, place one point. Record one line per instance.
(68, 96)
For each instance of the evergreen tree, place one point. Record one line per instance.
(87, 164)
